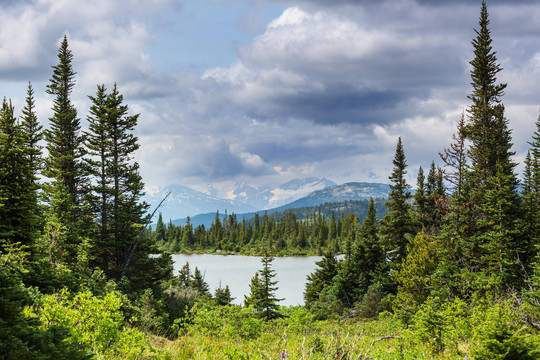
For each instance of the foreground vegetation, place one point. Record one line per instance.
(452, 271)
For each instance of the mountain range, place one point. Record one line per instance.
(183, 201)
(329, 194)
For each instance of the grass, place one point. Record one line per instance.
(329, 339)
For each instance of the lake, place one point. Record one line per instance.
(237, 271)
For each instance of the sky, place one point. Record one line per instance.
(265, 91)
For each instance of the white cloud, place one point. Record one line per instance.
(324, 90)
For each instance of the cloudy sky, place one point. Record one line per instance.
(265, 91)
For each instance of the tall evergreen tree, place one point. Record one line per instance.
(63, 164)
(369, 256)
(420, 198)
(120, 250)
(436, 199)
(397, 226)
(487, 127)
(98, 147)
(18, 189)
(494, 197)
(531, 195)
(33, 130)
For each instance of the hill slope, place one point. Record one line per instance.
(350, 197)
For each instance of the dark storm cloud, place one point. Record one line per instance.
(337, 103)
(299, 151)
(331, 67)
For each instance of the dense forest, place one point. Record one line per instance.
(307, 230)
(450, 271)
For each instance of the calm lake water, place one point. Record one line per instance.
(237, 271)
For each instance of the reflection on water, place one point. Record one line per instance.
(237, 271)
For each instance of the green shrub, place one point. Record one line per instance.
(373, 302)
(501, 335)
(94, 321)
(231, 321)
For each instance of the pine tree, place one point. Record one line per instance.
(222, 296)
(501, 244)
(98, 145)
(187, 235)
(198, 283)
(487, 128)
(369, 256)
(436, 199)
(397, 225)
(159, 232)
(494, 197)
(121, 249)
(64, 162)
(531, 191)
(420, 199)
(262, 291)
(255, 292)
(33, 131)
(322, 278)
(18, 189)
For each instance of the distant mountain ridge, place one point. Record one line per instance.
(344, 192)
(184, 201)
(334, 194)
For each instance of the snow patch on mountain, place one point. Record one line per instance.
(294, 190)
(184, 201)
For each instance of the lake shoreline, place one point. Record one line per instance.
(281, 253)
(236, 271)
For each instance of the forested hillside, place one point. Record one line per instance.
(306, 230)
(449, 272)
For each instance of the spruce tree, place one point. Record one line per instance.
(533, 186)
(487, 127)
(494, 197)
(120, 250)
(63, 164)
(198, 283)
(420, 199)
(33, 131)
(262, 291)
(98, 145)
(321, 279)
(222, 296)
(436, 199)
(369, 256)
(397, 226)
(501, 244)
(159, 232)
(18, 189)
(531, 197)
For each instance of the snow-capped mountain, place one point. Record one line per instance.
(184, 201)
(269, 198)
(333, 194)
(344, 192)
